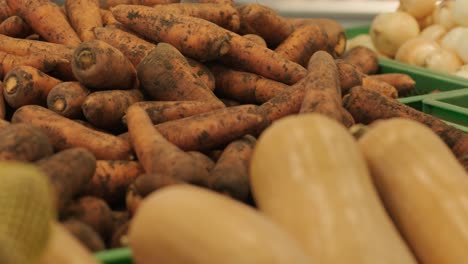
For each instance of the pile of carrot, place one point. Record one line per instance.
(116, 99)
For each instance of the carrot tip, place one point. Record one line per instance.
(85, 59)
(59, 104)
(11, 85)
(224, 49)
(341, 45)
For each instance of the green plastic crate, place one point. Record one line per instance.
(115, 256)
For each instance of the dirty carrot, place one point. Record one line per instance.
(364, 58)
(256, 38)
(156, 154)
(3, 124)
(302, 43)
(69, 171)
(231, 2)
(245, 87)
(163, 111)
(133, 47)
(203, 72)
(15, 27)
(105, 109)
(27, 85)
(84, 16)
(66, 99)
(5, 11)
(92, 211)
(207, 162)
(46, 19)
(85, 234)
(402, 82)
(333, 29)
(265, 22)
(111, 179)
(111, 3)
(194, 37)
(367, 106)
(231, 172)
(322, 87)
(24, 142)
(98, 65)
(166, 75)
(107, 18)
(350, 75)
(2, 102)
(65, 133)
(380, 86)
(148, 183)
(42, 62)
(224, 15)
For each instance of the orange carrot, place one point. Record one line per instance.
(224, 15)
(265, 22)
(148, 183)
(365, 59)
(231, 172)
(85, 234)
(27, 85)
(107, 18)
(2, 102)
(69, 171)
(163, 111)
(245, 87)
(302, 43)
(133, 47)
(111, 179)
(84, 16)
(105, 109)
(111, 3)
(15, 26)
(95, 64)
(65, 133)
(24, 143)
(41, 62)
(3, 124)
(333, 29)
(66, 99)
(206, 161)
(350, 75)
(203, 72)
(166, 75)
(156, 154)
(192, 36)
(5, 11)
(46, 19)
(231, 2)
(256, 38)
(402, 82)
(379, 86)
(367, 106)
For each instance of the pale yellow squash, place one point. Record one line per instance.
(423, 186)
(308, 175)
(184, 224)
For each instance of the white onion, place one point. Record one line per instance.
(434, 32)
(460, 12)
(463, 71)
(416, 51)
(417, 8)
(457, 40)
(389, 31)
(442, 14)
(443, 60)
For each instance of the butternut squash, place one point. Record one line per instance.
(188, 224)
(308, 175)
(423, 187)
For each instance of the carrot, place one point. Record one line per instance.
(367, 106)
(39, 61)
(302, 43)
(206, 161)
(265, 22)
(118, 236)
(15, 26)
(111, 179)
(27, 85)
(133, 47)
(148, 183)
(66, 99)
(65, 133)
(69, 171)
(203, 72)
(256, 38)
(231, 2)
(92, 211)
(111, 3)
(46, 19)
(379, 86)
(5, 11)
(2, 102)
(350, 75)
(163, 111)
(224, 15)
(323, 91)
(156, 154)
(333, 29)
(24, 143)
(245, 87)
(194, 37)
(364, 58)
(216, 128)
(85, 234)
(95, 64)
(231, 172)
(133, 198)
(33, 37)
(107, 18)
(402, 82)
(105, 109)
(166, 75)
(248, 56)
(3, 124)
(84, 16)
